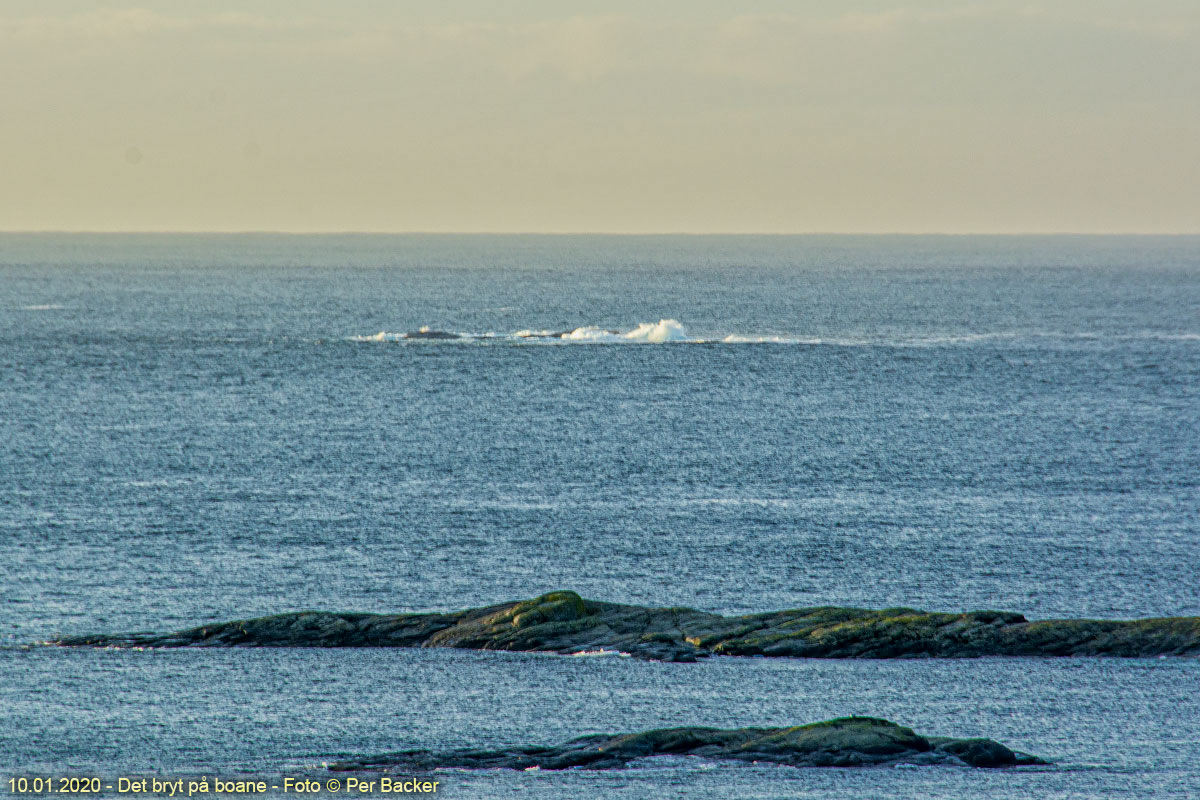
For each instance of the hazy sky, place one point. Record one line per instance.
(680, 115)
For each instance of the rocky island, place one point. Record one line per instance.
(564, 622)
(845, 742)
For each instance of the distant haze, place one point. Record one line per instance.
(670, 116)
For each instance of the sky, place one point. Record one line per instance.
(671, 116)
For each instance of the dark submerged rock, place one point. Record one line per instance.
(426, 333)
(563, 622)
(845, 742)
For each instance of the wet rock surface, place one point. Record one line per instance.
(563, 622)
(846, 742)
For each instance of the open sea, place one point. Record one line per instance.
(206, 427)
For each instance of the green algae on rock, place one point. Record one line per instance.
(564, 622)
(845, 742)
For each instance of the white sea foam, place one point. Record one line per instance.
(382, 336)
(671, 330)
(665, 330)
(590, 333)
(743, 338)
(46, 307)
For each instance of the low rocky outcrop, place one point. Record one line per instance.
(563, 622)
(846, 742)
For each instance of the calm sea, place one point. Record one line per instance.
(196, 428)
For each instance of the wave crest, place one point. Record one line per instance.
(665, 330)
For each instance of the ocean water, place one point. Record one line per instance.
(206, 427)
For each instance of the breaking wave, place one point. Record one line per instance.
(665, 330)
(671, 330)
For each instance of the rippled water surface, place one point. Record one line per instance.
(197, 428)
(1123, 728)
